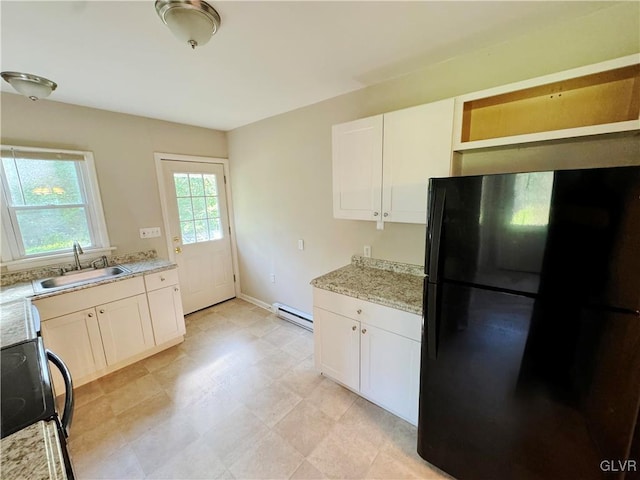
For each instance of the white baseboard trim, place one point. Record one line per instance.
(255, 301)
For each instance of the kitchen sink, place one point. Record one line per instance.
(79, 277)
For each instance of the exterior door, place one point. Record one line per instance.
(196, 204)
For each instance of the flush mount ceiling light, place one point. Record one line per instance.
(29, 85)
(191, 21)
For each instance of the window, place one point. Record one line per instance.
(50, 199)
(197, 196)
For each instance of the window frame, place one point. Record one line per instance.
(12, 250)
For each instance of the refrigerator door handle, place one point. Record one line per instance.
(435, 232)
(431, 319)
(67, 414)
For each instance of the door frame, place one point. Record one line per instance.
(159, 157)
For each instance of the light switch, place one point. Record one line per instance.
(301, 244)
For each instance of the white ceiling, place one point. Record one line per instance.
(267, 58)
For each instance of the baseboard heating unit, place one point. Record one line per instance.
(293, 315)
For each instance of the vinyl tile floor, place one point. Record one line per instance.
(238, 399)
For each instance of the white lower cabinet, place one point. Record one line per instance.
(339, 338)
(125, 327)
(390, 371)
(165, 305)
(371, 349)
(100, 329)
(76, 339)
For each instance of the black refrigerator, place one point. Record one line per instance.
(531, 347)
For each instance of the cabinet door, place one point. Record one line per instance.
(339, 347)
(417, 146)
(76, 339)
(357, 169)
(125, 326)
(390, 371)
(167, 317)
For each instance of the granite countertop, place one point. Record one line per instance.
(34, 453)
(393, 284)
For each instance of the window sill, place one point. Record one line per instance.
(46, 260)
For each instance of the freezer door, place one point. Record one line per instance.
(526, 389)
(573, 234)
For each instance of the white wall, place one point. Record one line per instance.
(123, 147)
(281, 167)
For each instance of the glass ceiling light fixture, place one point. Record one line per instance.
(29, 85)
(191, 21)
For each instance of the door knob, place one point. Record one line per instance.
(178, 250)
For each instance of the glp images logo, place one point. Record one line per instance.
(618, 466)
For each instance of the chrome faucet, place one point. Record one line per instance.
(77, 251)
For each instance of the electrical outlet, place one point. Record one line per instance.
(273, 278)
(150, 232)
(367, 251)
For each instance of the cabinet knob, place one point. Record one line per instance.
(359, 311)
(102, 310)
(386, 214)
(364, 330)
(354, 328)
(375, 214)
(162, 279)
(90, 315)
(176, 289)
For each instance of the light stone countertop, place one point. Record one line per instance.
(34, 453)
(396, 285)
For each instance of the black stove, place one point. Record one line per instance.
(25, 390)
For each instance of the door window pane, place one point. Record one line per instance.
(198, 207)
(182, 184)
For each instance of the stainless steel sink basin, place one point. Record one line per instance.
(78, 277)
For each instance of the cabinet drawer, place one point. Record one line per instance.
(157, 280)
(70, 302)
(396, 321)
(344, 305)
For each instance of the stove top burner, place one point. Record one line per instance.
(25, 388)
(12, 407)
(11, 361)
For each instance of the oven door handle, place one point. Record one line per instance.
(67, 413)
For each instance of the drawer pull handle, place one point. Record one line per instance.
(364, 330)
(354, 328)
(359, 311)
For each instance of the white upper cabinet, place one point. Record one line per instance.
(417, 146)
(357, 169)
(381, 164)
